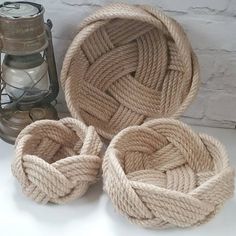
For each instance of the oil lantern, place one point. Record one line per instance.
(29, 83)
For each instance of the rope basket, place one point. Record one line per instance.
(56, 161)
(126, 65)
(162, 174)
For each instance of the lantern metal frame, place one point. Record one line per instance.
(25, 36)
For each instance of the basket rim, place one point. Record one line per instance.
(99, 18)
(112, 151)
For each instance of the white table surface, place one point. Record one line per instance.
(93, 214)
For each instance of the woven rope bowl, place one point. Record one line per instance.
(162, 174)
(56, 161)
(126, 65)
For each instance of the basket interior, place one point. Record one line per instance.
(149, 157)
(54, 145)
(125, 72)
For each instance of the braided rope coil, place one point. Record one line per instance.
(56, 161)
(162, 174)
(126, 65)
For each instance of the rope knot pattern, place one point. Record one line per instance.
(126, 65)
(162, 174)
(56, 161)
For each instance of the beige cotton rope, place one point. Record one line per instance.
(162, 174)
(56, 161)
(126, 65)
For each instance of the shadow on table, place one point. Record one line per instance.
(222, 224)
(60, 214)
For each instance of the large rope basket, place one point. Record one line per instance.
(162, 174)
(56, 161)
(126, 65)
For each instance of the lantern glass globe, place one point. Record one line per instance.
(26, 77)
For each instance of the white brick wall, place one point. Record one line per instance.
(211, 27)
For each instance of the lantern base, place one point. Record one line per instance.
(12, 121)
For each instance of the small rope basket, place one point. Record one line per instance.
(56, 161)
(162, 174)
(126, 65)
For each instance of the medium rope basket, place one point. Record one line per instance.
(162, 174)
(128, 64)
(56, 161)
